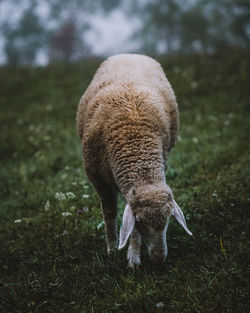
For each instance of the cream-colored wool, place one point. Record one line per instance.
(127, 120)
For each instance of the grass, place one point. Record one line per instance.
(55, 262)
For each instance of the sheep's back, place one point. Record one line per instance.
(122, 70)
(128, 104)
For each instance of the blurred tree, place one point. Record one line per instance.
(109, 5)
(63, 43)
(199, 25)
(60, 34)
(240, 25)
(167, 26)
(23, 40)
(160, 27)
(194, 29)
(67, 40)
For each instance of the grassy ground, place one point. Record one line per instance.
(52, 246)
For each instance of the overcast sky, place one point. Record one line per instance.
(111, 34)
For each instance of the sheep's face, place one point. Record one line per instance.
(152, 208)
(149, 213)
(155, 238)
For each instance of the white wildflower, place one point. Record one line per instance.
(66, 213)
(213, 118)
(60, 196)
(70, 195)
(198, 117)
(159, 305)
(64, 176)
(214, 194)
(31, 127)
(17, 221)
(85, 196)
(47, 206)
(20, 121)
(195, 140)
(48, 108)
(74, 183)
(46, 138)
(194, 84)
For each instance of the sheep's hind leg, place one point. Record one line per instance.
(134, 249)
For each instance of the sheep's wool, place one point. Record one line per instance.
(128, 122)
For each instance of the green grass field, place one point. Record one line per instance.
(52, 245)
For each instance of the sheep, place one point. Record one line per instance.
(128, 122)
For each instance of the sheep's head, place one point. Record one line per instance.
(149, 211)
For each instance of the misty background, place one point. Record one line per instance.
(40, 32)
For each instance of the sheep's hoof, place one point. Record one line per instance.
(133, 266)
(111, 250)
(112, 247)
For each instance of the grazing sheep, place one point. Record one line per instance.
(128, 122)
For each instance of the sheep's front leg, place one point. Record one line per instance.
(109, 215)
(134, 249)
(108, 198)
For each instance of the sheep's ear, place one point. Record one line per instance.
(128, 223)
(177, 213)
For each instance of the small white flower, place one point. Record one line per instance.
(85, 196)
(60, 196)
(195, 140)
(47, 206)
(70, 195)
(48, 107)
(31, 127)
(46, 138)
(74, 183)
(19, 121)
(64, 176)
(213, 118)
(86, 187)
(17, 221)
(66, 213)
(159, 305)
(194, 84)
(214, 194)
